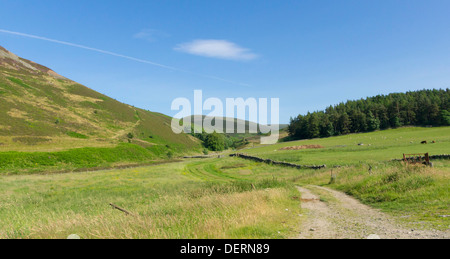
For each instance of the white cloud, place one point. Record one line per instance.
(216, 49)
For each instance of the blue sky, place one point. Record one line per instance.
(310, 54)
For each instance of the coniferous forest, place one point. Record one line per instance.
(418, 108)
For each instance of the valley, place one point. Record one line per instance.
(70, 157)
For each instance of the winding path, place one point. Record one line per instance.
(343, 217)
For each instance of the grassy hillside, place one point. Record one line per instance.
(78, 159)
(43, 111)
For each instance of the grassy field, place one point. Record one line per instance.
(414, 193)
(227, 197)
(214, 198)
(87, 158)
(377, 147)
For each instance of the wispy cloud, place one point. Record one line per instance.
(117, 55)
(222, 49)
(150, 35)
(87, 48)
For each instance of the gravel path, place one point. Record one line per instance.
(343, 217)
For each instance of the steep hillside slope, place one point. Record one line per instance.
(43, 111)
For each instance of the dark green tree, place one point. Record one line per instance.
(313, 126)
(373, 123)
(344, 124)
(445, 117)
(215, 142)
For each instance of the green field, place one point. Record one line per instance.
(53, 130)
(416, 193)
(228, 197)
(380, 146)
(215, 198)
(79, 159)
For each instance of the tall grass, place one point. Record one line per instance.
(167, 201)
(414, 192)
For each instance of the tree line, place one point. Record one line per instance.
(417, 108)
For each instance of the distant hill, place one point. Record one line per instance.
(43, 111)
(238, 138)
(237, 124)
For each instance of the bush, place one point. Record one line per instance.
(215, 142)
(76, 135)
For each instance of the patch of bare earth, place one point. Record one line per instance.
(343, 217)
(302, 147)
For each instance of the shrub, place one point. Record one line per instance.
(76, 135)
(215, 142)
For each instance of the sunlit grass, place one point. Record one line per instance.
(167, 201)
(375, 147)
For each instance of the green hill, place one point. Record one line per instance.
(238, 138)
(238, 124)
(43, 111)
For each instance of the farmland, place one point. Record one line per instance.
(232, 197)
(219, 198)
(357, 149)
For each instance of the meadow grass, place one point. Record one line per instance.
(415, 193)
(376, 147)
(198, 199)
(73, 159)
(228, 197)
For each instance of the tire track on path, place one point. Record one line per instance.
(344, 217)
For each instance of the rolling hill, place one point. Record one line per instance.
(238, 123)
(238, 138)
(46, 112)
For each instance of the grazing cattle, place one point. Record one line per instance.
(424, 142)
(434, 142)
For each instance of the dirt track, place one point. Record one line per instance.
(343, 217)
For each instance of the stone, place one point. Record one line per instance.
(73, 236)
(373, 236)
